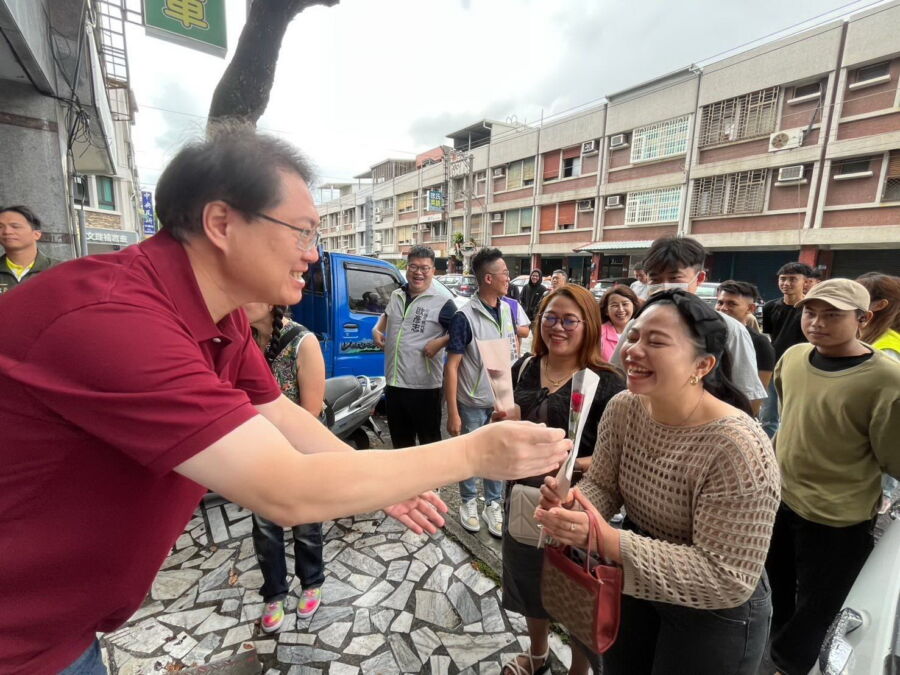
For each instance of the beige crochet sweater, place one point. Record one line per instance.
(707, 494)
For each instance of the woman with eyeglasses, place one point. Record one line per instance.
(566, 340)
(617, 306)
(701, 486)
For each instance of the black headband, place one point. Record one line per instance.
(702, 319)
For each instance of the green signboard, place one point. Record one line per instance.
(198, 24)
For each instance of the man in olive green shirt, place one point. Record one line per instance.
(840, 413)
(20, 230)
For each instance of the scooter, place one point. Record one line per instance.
(349, 405)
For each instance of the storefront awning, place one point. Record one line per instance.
(603, 246)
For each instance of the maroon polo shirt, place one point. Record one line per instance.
(112, 372)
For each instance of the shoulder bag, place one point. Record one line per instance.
(580, 592)
(523, 500)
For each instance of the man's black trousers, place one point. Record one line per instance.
(811, 569)
(413, 414)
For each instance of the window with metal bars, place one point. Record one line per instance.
(892, 179)
(733, 193)
(739, 118)
(653, 206)
(663, 139)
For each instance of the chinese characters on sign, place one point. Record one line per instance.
(198, 24)
(111, 237)
(435, 200)
(147, 207)
(190, 13)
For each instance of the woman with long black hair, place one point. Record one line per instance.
(296, 360)
(700, 484)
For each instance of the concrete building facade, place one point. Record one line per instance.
(788, 151)
(66, 111)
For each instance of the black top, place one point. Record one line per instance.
(834, 364)
(531, 296)
(765, 352)
(447, 311)
(782, 323)
(531, 397)
(461, 332)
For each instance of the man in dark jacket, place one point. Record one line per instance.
(532, 293)
(20, 230)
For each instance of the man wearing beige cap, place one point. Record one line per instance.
(840, 421)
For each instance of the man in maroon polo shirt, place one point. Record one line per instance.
(129, 384)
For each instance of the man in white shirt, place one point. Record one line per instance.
(677, 262)
(641, 286)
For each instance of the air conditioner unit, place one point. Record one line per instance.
(377, 219)
(376, 237)
(790, 173)
(618, 141)
(499, 172)
(589, 147)
(613, 201)
(785, 140)
(497, 217)
(377, 210)
(586, 205)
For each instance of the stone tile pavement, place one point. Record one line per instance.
(393, 602)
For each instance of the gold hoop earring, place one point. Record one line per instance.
(694, 379)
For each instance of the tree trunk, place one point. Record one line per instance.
(243, 92)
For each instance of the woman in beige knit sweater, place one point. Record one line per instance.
(700, 485)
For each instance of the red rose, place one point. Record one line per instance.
(577, 401)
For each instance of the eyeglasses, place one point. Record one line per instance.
(309, 237)
(424, 269)
(568, 323)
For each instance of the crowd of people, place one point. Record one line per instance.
(736, 470)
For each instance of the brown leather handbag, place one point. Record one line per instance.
(580, 593)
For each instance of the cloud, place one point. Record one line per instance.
(363, 81)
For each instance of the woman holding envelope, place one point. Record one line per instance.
(566, 341)
(700, 484)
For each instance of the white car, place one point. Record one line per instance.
(864, 638)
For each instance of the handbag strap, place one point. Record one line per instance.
(594, 533)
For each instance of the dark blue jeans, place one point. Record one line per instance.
(656, 638)
(268, 540)
(89, 663)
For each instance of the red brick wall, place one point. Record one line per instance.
(856, 191)
(518, 240)
(760, 146)
(620, 157)
(791, 196)
(409, 215)
(646, 170)
(569, 184)
(888, 215)
(613, 217)
(799, 114)
(786, 221)
(641, 233)
(590, 163)
(564, 237)
(869, 99)
(869, 127)
(514, 194)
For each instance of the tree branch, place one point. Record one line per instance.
(243, 92)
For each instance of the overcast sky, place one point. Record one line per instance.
(371, 79)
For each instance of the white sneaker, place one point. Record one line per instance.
(493, 517)
(468, 515)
